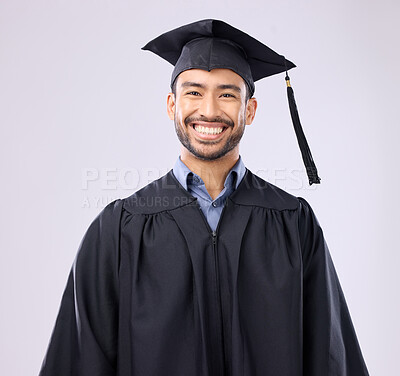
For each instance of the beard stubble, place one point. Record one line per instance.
(232, 141)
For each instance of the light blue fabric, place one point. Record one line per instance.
(193, 183)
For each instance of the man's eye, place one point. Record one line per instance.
(227, 95)
(193, 93)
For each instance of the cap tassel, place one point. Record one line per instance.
(301, 138)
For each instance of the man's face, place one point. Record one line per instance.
(210, 111)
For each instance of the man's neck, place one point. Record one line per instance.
(213, 173)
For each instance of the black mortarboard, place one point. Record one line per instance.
(210, 44)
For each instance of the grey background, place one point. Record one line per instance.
(79, 98)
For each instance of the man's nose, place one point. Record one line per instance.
(209, 107)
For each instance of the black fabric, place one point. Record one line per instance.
(154, 292)
(210, 44)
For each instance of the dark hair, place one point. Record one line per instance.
(248, 95)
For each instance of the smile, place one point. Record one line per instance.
(208, 130)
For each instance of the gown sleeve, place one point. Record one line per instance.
(84, 339)
(330, 345)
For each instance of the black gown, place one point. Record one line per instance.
(155, 292)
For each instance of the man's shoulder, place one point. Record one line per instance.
(160, 195)
(255, 191)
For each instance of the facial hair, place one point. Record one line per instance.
(232, 141)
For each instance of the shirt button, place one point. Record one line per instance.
(214, 204)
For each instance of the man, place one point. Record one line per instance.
(209, 270)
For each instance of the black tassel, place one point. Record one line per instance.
(301, 138)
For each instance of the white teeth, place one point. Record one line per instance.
(208, 130)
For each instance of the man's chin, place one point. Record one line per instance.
(211, 155)
(207, 150)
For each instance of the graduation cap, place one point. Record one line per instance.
(211, 44)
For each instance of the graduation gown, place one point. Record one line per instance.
(153, 291)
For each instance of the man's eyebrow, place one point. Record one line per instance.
(192, 84)
(230, 86)
(220, 87)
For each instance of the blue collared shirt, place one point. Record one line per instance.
(193, 183)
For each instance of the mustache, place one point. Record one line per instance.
(217, 119)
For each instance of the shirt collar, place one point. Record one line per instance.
(182, 172)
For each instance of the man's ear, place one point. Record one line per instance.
(171, 106)
(251, 109)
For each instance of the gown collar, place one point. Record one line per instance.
(167, 193)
